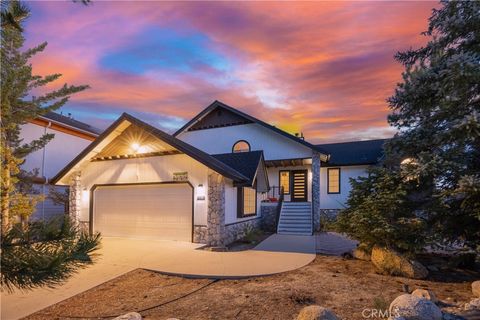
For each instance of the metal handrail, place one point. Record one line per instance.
(279, 207)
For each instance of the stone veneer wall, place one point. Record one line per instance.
(216, 210)
(199, 234)
(269, 216)
(238, 230)
(316, 190)
(75, 197)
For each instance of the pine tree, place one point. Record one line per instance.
(437, 112)
(436, 109)
(31, 256)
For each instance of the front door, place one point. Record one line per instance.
(299, 184)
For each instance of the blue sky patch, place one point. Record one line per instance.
(157, 48)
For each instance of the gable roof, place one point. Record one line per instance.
(61, 119)
(244, 162)
(218, 104)
(191, 151)
(354, 152)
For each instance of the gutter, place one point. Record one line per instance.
(68, 126)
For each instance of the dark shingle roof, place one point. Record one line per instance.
(354, 152)
(71, 122)
(244, 162)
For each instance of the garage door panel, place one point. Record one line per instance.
(162, 211)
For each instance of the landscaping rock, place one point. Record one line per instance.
(414, 308)
(362, 253)
(476, 288)
(316, 313)
(130, 316)
(426, 294)
(392, 263)
(474, 304)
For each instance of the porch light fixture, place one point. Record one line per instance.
(85, 194)
(135, 147)
(200, 192)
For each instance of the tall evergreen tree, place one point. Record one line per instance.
(31, 255)
(436, 110)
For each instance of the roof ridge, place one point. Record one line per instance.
(354, 141)
(217, 103)
(190, 150)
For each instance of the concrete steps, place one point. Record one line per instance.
(295, 219)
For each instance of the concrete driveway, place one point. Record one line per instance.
(278, 253)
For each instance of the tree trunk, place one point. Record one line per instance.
(6, 186)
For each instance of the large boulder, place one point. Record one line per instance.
(425, 294)
(362, 252)
(414, 308)
(474, 304)
(476, 288)
(316, 313)
(130, 316)
(392, 263)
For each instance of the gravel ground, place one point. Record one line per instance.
(345, 286)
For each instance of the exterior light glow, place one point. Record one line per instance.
(135, 147)
(200, 192)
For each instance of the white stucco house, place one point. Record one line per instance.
(70, 137)
(220, 175)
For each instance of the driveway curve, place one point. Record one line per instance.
(276, 254)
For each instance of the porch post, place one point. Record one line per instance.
(75, 197)
(216, 210)
(316, 190)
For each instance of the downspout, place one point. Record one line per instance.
(43, 171)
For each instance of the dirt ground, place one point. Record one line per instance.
(345, 286)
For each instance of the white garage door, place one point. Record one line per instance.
(155, 211)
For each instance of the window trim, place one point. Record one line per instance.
(249, 146)
(289, 181)
(240, 203)
(339, 180)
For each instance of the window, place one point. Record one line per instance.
(247, 202)
(284, 181)
(241, 146)
(333, 180)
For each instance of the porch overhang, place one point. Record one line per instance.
(288, 162)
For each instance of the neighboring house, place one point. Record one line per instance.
(213, 180)
(71, 137)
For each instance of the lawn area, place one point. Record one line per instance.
(345, 286)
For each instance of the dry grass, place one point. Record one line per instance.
(345, 286)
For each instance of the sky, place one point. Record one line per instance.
(321, 68)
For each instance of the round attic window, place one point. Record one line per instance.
(241, 146)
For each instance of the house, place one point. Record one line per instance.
(220, 175)
(70, 137)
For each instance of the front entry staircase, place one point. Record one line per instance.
(295, 218)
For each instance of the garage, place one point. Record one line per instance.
(161, 211)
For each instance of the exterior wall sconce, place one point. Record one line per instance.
(85, 194)
(200, 192)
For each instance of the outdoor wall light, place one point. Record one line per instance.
(200, 192)
(137, 148)
(85, 194)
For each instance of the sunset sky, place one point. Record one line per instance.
(324, 68)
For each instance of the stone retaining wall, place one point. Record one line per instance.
(238, 230)
(269, 216)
